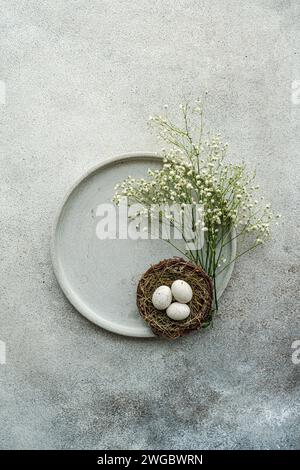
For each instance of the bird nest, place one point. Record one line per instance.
(165, 273)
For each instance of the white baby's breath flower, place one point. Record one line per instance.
(193, 172)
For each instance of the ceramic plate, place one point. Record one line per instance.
(99, 277)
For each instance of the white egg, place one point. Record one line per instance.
(182, 291)
(178, 311)
(162, 297)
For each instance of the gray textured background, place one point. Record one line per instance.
(82, 78)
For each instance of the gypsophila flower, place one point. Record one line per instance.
(194, 171)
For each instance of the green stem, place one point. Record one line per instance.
(238, 256)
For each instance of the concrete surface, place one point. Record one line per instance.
(81, 79)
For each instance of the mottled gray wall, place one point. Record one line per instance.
(81, 79)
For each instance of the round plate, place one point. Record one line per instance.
(99, 277)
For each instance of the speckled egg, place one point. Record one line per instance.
(162, 297)
(182, 291)
(178, 311)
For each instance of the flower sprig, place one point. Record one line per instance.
(194, 171)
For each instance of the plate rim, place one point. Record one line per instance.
(143, 331)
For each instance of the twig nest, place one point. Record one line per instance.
(182, 318)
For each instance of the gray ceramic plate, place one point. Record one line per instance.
(99, 277)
